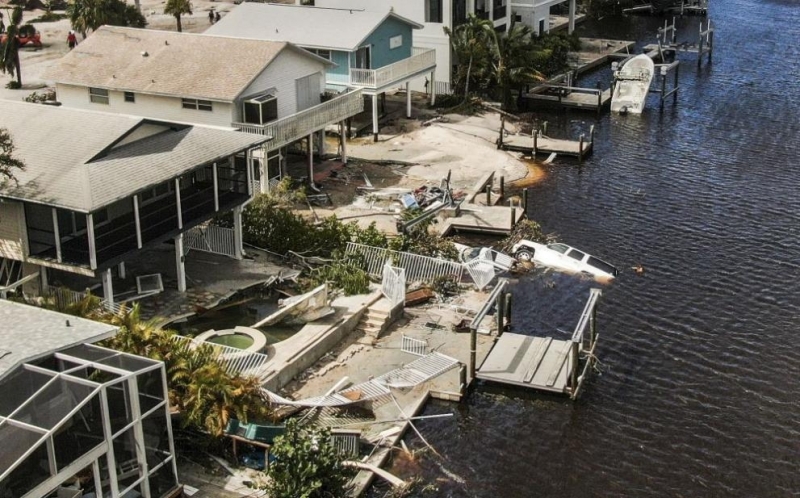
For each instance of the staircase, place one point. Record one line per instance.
(374, 321)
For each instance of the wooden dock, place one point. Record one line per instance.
(573, 97)
(545, 363)
(540, 144)
(481, 211)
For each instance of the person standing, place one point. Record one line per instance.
(217, 17)
(211, 16)
(72, 40)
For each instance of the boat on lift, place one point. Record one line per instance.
(632, 82)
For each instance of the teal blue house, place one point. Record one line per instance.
(373, 51)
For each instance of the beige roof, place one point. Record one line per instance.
(71, 160)
(166, 63)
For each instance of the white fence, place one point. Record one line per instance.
(417, 347)
(393, 284)
(291, 128)
(211, 238)
(235, 361)
(64, 297)
(422, 59)
(417, 268)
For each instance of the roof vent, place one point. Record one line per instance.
(145, 54)
(68, 324)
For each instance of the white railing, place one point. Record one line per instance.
(393, 284)
(64, 297)
(417, 347)
(234, 361)
(417, 268)
(211, 238)
(421, 60)
(286, 130)
(481, 271)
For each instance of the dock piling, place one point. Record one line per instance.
(508, 310)
(513, 217)
(535, 141)
(489, 194)
(500, 306)
(503, 190)
(525, 200)
(580, 149)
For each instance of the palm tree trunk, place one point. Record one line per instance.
(466, 84)
(178, 18)
(18, 66)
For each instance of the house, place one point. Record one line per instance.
(98, 188)
(536, 14)
(434, 16)
(375, 52)
(260, 87)
(76, 418)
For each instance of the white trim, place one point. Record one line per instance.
(178, 202)
(216, 187)
(90, 235)
(57, 234)
(137, 221)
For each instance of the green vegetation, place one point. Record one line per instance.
(307, 466)
(177, 8)
(8, 163)
(9, 50)
(49, 17)
(494, 64)
(85, 15)
(346, 274)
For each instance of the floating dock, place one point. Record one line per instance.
(540, 144)
(545, 363)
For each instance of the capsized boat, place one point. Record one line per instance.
(632, 84)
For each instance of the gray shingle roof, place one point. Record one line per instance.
(60, 148)
(28, 332)
(180, 64)
(313, 27)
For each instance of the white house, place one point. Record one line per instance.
(375, 53)
(98, 188)
(263, 87)
(536, 13)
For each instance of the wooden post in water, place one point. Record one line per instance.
(502, 129)
(500, 306)
(675, 86)
(488, 194)
(574, 370)
(591, 135)
(473, 348)
(525, 200)
(513, 218)
(544, 128)
(710, 40)
(580, 149)
(593, 326)
(508, 310)
(535, 141)
(502, 189)
(700, 47)
(663, 86)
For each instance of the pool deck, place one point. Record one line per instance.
(361, 362)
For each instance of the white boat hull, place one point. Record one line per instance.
(632, 84)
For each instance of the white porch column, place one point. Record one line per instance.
(571, 16)
(408, 99)
(264, 177)
(96, 475)
(90, 236)
(310, 140)
(57, 235)
(121, 270)
(137, 220)
(180, 265)
(321, 143)
(343, 134)
(43, 279)
(178, 202)
(248, 159)
(375, 117)
(433, 87)
(238, 240)
(216, 186)
(108, 288)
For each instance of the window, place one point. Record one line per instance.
(560, 248)
(260, 110)
(130, 97)
(396, 42)
(433, 10)
(98, 95)
(576, 254)
(325, 54)
(199, 105)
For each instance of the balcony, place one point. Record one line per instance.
(421, 61)
(291, 128)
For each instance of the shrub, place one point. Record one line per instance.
(343, 274)
(13, 85)
(307, 465)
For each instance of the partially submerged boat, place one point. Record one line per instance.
(632, 84)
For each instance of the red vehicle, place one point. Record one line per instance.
(26, 37)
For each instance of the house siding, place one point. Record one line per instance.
(281, 75)
(13, 239)
(342, 61)
(382, 54)
(151, 106)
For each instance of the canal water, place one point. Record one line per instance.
(699, 390)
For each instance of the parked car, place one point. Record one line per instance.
(27, 34)
(562, 257)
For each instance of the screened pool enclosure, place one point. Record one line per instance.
(86, 422)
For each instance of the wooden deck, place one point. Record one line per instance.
(546, 145)
(540, 363)
(477, 218)
(575, 100)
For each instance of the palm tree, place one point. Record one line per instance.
(512, 60)
(9, 50)
(469, 41)
(8, 163)
(85, 15)
(177, 8)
